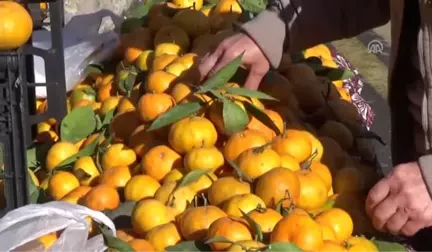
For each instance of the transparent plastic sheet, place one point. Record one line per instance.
(83, 45)
(25, 224)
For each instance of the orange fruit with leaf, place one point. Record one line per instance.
(232, 228)
(301, 230)
(242, 203)
(141, 245)
(152, 105)
(59, 152)
(243, 246)
(176, 198)
(163, 236)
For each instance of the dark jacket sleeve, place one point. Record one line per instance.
(298, 24)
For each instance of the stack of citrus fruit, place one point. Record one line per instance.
(210, 161)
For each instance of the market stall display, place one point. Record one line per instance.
(183, 164)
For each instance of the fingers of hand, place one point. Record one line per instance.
(397, 221)
(383, 212)
(376, 195)
(411, 227)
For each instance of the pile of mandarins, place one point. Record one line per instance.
(299, 179)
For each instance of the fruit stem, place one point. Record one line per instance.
(196, 201)
(305, 165)
(284, 129)
(260, 209)
(171, 200)
(205, 201)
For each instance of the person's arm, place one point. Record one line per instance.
(313, 22)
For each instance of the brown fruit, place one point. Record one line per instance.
(333, 156)
(339, 132)
(172, 34)
(277, 86)
(343, 111)
(194, 22)
(158, 22)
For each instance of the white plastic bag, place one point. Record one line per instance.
(30, 222)
(82, 44)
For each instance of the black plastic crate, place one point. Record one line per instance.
(18, 116)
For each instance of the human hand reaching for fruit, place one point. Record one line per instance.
(400, 203)
(253, 59)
